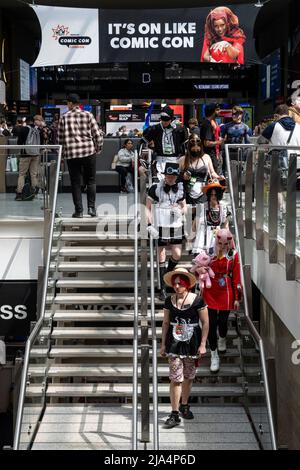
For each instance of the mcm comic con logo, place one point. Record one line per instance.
(63, 35)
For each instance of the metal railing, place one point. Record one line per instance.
(234, 188)
(154, 351)
(145, 354)
(39, 323)
(268, 176)
(136, 308)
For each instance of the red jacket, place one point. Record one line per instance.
(224, 289)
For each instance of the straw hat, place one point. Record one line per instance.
(215, 183)
(168, 276)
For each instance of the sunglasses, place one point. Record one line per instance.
(172, 171)
(195, 142)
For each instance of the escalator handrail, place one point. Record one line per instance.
(39, 323)
(251, 326)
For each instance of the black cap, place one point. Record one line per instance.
(73, 98)
(167, 112)
(171, 169)
(211, 108)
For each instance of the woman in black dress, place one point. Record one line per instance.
(183, 340)
(196, 167)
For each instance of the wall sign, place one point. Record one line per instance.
(17, 307)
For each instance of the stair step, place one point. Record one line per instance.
(95, 266)
(94, 236)
(98, 299)
(83, 351)
(97, 315)
(101, 315)
(103, 332)
(88, 221)
(123, 390)
(93, 333)
(95, 299)
(94, 251)
(124, 370)
(94, 284)
(111, 351)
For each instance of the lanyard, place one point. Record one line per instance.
(182, 305)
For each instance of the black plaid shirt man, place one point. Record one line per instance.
(81, 139)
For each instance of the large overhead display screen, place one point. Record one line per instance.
(215, 34)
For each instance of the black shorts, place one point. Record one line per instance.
(170, 241)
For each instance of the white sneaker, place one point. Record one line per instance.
(214, 361)
(222, 344)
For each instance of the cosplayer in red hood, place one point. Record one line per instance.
(224, 39)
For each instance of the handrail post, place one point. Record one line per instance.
(154, 352)
(273, 208)
(135, 327)
(249, 195)
(145, 360)
(259, 198)
(291, 215)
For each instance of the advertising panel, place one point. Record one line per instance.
(215, 34)
(17, 307)
(69, 35)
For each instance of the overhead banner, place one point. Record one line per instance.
(208, 34)
(218, 35)
(69, 36)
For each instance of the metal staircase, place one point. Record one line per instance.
(80, 387)
(82, 359)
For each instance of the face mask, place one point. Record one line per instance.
(195, 153)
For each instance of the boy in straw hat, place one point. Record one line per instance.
(183, 341)
(165, 208)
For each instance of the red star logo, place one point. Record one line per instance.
(59, 31)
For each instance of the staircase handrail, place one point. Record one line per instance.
(39, 323)
(250, 324)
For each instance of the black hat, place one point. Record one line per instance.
(171, 169)
(167, 112)
(73, 98)
(210, 109)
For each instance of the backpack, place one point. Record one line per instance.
(33, 138)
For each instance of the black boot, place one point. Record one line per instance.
(171, 264)
(162, 272)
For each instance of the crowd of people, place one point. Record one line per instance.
(190, 175)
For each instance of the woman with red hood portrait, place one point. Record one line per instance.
(224, 39)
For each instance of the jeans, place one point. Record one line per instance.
(85, 166)
(123, 172)
(32, 164)
(217, 318)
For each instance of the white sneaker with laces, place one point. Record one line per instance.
(222, 344)
(214, 361)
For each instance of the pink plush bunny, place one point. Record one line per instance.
(203, 270)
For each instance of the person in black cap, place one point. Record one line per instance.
(167, 140)
(166, 221)
(210, 136)
(81, 139)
